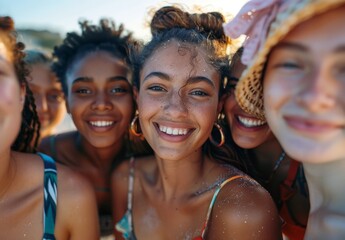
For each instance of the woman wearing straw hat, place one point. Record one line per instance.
(296, 80)
(282, 176)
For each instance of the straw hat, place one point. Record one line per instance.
(265, 23)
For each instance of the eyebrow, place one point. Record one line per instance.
(292, 46)
(194, 79)
(299, 47)
(89, 79)
(157, 74)
(197, 79)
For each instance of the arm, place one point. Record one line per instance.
(244, 210)
(119, 192)
(77, 215)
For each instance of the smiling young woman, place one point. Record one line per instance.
(184, 191)
(94, 70)
(297, 80)
(39, 199)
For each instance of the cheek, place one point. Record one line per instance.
(125, 106)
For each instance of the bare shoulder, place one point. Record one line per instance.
(56, 143)
(71, 182)
(77, 208)
(121, 173)
(120, 184)
(244, 210)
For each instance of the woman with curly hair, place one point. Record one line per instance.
(184, 191)
(32, 184)
(95, 71)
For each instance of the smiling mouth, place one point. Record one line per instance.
(250, 122)
(173, 131)
(101, 123)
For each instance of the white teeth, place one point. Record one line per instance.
(250, 122)
(101, 123)
(173, 131)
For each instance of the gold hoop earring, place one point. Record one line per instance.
(134, 127)
(222, 137)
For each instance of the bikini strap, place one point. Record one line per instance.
(130, 184)
(50, 197)
(214, 200)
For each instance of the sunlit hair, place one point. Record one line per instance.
(105, 37)
(27, 138)
(201, 30)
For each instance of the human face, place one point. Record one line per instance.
(11, 100)
(304, 89)
(247, 131)
(178, 101)
(100, 98)
(50, 104)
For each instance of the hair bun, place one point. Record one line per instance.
(209, 24)
(169, 17)
(6, 23)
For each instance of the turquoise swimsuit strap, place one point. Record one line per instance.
(50, 197)
(214, 200)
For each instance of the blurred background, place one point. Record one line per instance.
(43, 24)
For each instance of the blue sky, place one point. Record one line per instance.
(63, 15)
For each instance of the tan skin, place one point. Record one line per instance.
(265, 149)
(99, 93)
(21, 179)
(173, 188)
(49, 100)
(305, 81)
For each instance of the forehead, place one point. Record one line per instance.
(174, 55)
(323, 32)
(98, 61)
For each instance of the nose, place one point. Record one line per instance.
(101, 103)
(41, 103)
(318, 92)
(176, 105)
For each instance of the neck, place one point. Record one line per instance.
(100, 157)
(7, 172)
(326, 186)
(179, 179)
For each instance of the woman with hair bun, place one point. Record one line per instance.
(39, 199)
(189, 188)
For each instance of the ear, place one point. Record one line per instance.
(22, 95)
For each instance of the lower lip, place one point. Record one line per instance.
(249, 129)
(101, 129)
(172, 138)
(302, 126)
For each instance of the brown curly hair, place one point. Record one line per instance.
(28, 136)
